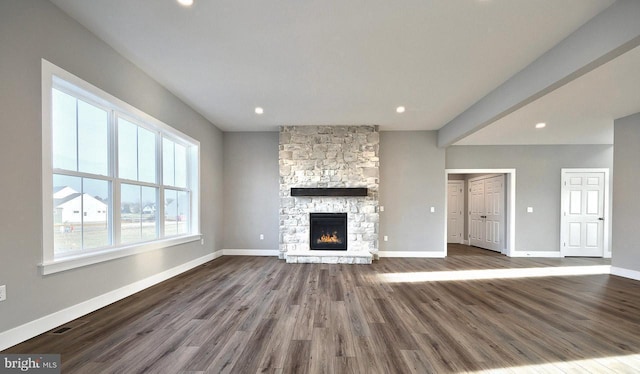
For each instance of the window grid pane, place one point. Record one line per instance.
(66, 213)
(64, 131)
(130, 214)
(149, 214)
(127, 150)
(183, 212)
(181, 166)
(146, 156)
(177, 212)
(93, 141)
(95, 214)
(168, 163)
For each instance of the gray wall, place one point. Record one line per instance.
(626, 184)
(251, 190)
(537, 182)
(412, 180)
(35, 29)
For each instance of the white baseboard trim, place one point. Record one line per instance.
(250, 252)
(547, 254)
(465, 242)
(31, 329)
(411, 254)
(626, 273)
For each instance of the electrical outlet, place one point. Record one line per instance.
(261, 236)
(3, 293)
(202, 241)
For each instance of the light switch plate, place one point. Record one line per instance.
(433, 209)
(530, 209)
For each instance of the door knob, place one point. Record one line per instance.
(601, 219)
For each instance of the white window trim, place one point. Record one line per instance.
(50, 264)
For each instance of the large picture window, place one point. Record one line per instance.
(116, 180)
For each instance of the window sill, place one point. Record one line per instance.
(73, 262)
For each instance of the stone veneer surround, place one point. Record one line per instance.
(329, 156)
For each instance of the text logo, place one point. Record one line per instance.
(30, 363)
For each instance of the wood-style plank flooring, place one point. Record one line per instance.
(261, 315)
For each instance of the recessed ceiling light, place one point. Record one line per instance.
(400, 109)
(259, 110)
(541, 125)
(185, 2)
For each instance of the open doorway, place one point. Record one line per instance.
(482, 215)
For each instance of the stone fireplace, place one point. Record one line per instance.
(330, 170)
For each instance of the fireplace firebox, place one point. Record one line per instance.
(328, 231)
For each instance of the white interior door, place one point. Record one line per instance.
(583, 214)
(494, 213)
(476, 213)
(486, 213)
(455, 209)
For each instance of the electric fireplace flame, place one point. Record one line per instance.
(326, 238)
(328, 231)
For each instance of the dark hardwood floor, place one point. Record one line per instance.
(258, 314)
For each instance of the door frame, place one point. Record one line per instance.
(510, 190)
(463, 184)
(606, 250)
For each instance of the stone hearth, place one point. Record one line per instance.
(328, 257)
(329, 157)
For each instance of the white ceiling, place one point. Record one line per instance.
(353, 62)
